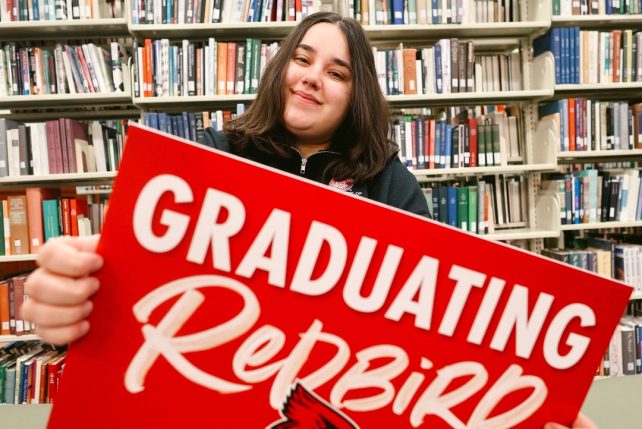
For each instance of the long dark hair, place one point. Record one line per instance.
(362, 137)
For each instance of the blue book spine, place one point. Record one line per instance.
(638, 342)
(437, 150)
(185, 121)
(397, 12)
(153, 117)
(162, 122)
(257, 10)
(175, 128)
(180, 129)
(24, 380)
(556, 49)
(577, 200)
(435, 203)
(448, 145)
(438, 76)
(452, 206)
(571, 55)
(564, 55)
(442, 145)
(436, 12)
(576, 53)
(192, 126)
(36, 11)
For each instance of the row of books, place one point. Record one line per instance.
(480, 207)
(30, 372)
(367, 12)
(596, 7)
(30, 219)
(624, 354)
(166, 68)
(589, 196)
(199, 68)
(433, 142)
(61, 69)
(56, 10)
(189, 125)
(449, 66)
(593, 56)
(12, 296)
(383, 12)
(612, 255)
(60, 146)
(616, 256)
(582, 124)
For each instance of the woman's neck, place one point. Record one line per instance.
(307, 149)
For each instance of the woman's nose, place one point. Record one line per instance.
(312, 79)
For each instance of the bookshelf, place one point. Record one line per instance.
(600, 225)
(594, 22)
(538, 78)
(408, 32)
(68, 29)
(611, 401)
(57, 179)
(9, 338)
(64, 100)
(18, 258)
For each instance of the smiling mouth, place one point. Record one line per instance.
(305, 98)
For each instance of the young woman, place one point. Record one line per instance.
(319, 113)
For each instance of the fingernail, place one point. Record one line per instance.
(84, 327)
(98, 263)
(88, 307)
(94, 284)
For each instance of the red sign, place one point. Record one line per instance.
(236, 296)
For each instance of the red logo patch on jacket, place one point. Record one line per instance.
(343, 185)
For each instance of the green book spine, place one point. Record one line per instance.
(249, 49)
(472, 209)
(462, 208)
(488, 136)
(2, 384)
(481, 145)
(556, 7)
(50, 218)
(256, 66)
(497, 154)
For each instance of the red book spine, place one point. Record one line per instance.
(472, 134)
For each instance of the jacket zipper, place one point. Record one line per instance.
(304, 161)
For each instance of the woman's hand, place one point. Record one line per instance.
(60, 289)
(581, 422)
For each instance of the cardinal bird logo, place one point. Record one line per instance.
(303, 409)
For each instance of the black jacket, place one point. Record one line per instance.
(394, 186)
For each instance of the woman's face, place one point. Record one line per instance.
(318, 85)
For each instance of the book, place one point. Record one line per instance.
(18, 224)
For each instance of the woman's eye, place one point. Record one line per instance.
(336, 75)
(301, 60)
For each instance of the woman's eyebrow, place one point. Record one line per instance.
(335, 60)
